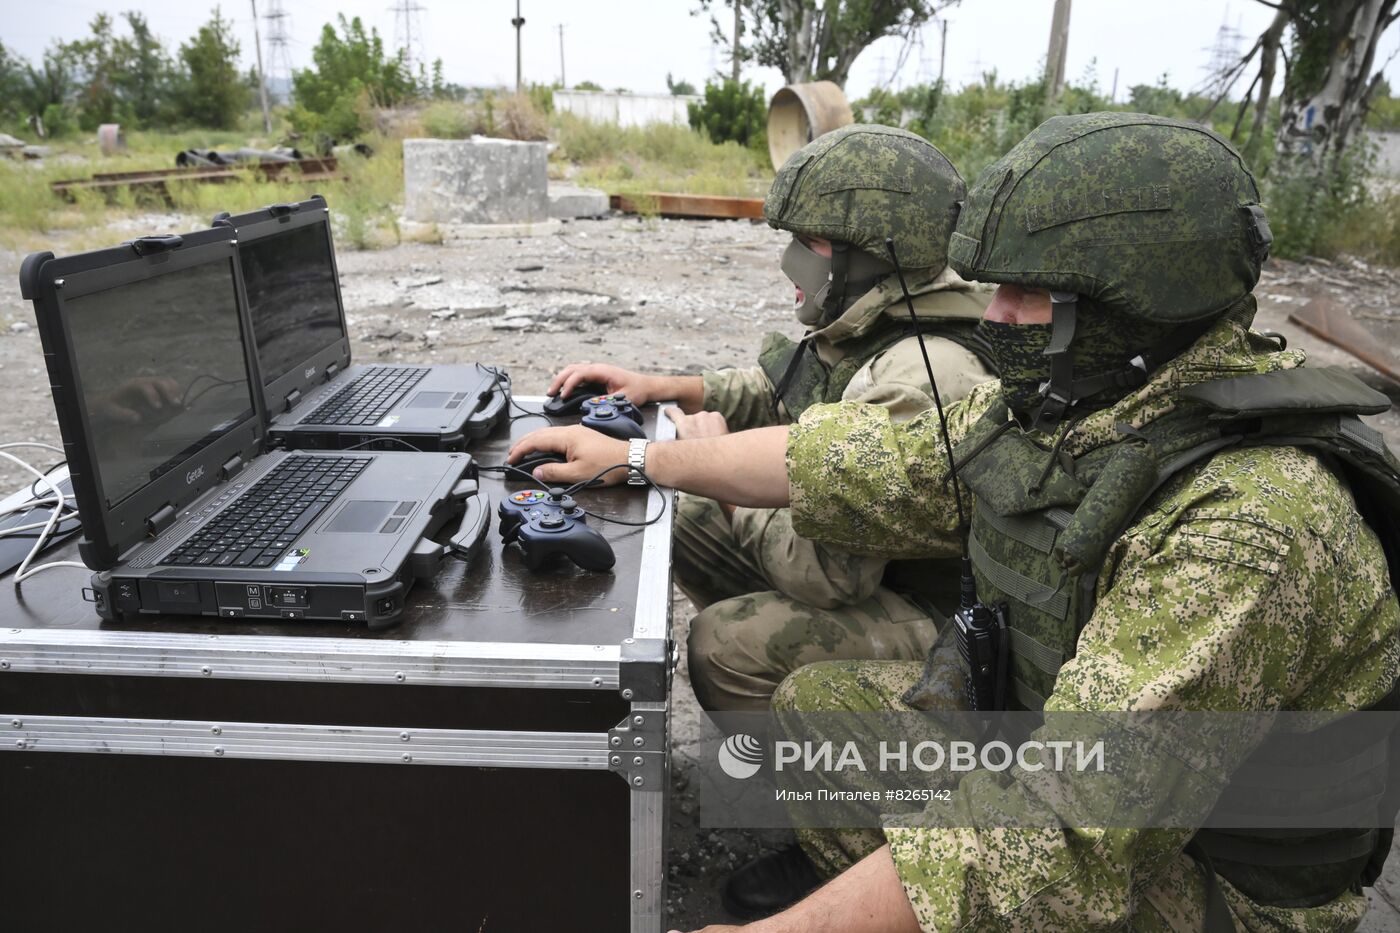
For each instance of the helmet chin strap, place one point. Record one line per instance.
(1062, 392)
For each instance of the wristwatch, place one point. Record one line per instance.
(637, 461)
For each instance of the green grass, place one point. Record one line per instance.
(658, 158)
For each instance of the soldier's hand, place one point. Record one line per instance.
(700, 424)
(638, 388)
(589, 452)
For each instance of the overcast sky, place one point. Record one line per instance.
(635, 43)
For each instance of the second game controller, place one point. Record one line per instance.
(616, 400)
(560, 405)
(549, 524)
(612, 421)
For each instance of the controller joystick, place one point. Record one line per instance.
(550, 524)
(616, 400)
(613, 421)
(570, 404)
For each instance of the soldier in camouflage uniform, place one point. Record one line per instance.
(1166, 501)
(770, 600)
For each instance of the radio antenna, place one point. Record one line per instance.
(933, 384)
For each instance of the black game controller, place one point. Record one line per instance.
(614, 416)
(548, 524)
(570, 404)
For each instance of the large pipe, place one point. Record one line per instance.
(799, 113)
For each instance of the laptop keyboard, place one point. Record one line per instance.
(261, 524)
(369, 397)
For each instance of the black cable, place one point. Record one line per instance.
(33, 487)
(502, 380)
(582, 484)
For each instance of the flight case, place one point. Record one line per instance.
(498, 761)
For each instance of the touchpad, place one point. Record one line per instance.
(429, 400)
(360, 516)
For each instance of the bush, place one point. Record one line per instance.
(448, 120)
(352, 74)
(1326, 211)
(732, 111)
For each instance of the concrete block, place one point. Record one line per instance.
(469, 182)
(567, 202)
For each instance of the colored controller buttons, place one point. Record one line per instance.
(530, 496)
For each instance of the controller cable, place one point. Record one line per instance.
(60, 510)
(507, 468)
(502, 380)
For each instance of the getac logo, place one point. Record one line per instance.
(193, 475)
(310, 371)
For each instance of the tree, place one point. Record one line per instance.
(819, 40)
(125, 79)
(732, 110)
(12, 82)
(1329, 51)
(351, 73)
(214, 93)
(679, 88)
(145, 80)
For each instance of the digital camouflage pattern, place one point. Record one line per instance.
(772, 600)
(1249, 582)
(863, 183)
(1088, 203)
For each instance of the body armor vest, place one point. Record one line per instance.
(800, 378)
(1043, 523)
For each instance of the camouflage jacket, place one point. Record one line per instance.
(1248, 582)
(802, 569)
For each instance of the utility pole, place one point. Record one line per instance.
(262, 78)
(1113, 95)
(517, 23)
(942, 51)
(563, 82)
(737, 55)
(1059, 45)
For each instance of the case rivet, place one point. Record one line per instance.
(370, 571)
(206, 670)
(217, 730)
(628, 641)
(616, 740)
(637, 720)
(615, 760)
(407, 756)
(597, 681)
(637, 760)
(639, 741)
(219, 750)
(4, 665)
(637, 781)
(19, 744)
(57, 283)
(400, 676)
(637, 894)
(627, 694)
(16, 723)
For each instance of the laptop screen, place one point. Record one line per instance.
(292, 297)
(162, 369)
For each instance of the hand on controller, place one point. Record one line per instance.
(589, 452)
(614, 416)
(639, 388)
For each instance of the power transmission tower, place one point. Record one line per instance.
(262, 75)
(279, 55)
(408, 33)
(1224, 68)
(1059, 46)
(518, 22)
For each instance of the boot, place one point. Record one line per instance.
(769, 883)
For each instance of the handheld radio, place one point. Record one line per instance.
(981, 632)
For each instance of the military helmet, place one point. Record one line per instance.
(1151, 218)
(863, 183)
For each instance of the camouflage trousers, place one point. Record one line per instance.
(747, 636)
(1173, 899)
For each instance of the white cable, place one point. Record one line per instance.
(58, 502)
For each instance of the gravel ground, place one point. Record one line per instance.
(675, 296)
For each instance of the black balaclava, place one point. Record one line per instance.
(1104, 344)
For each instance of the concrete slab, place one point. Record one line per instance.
(475, 181)
(451, 234)
(570, 202)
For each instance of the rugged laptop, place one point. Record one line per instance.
(315, 398)
(156, 391)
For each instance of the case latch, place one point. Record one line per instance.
(158, 243)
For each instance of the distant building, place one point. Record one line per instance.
(626, 109)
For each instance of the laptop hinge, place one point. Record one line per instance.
(160, 520)
(331, 370)
(293, 397)
(232, 467)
